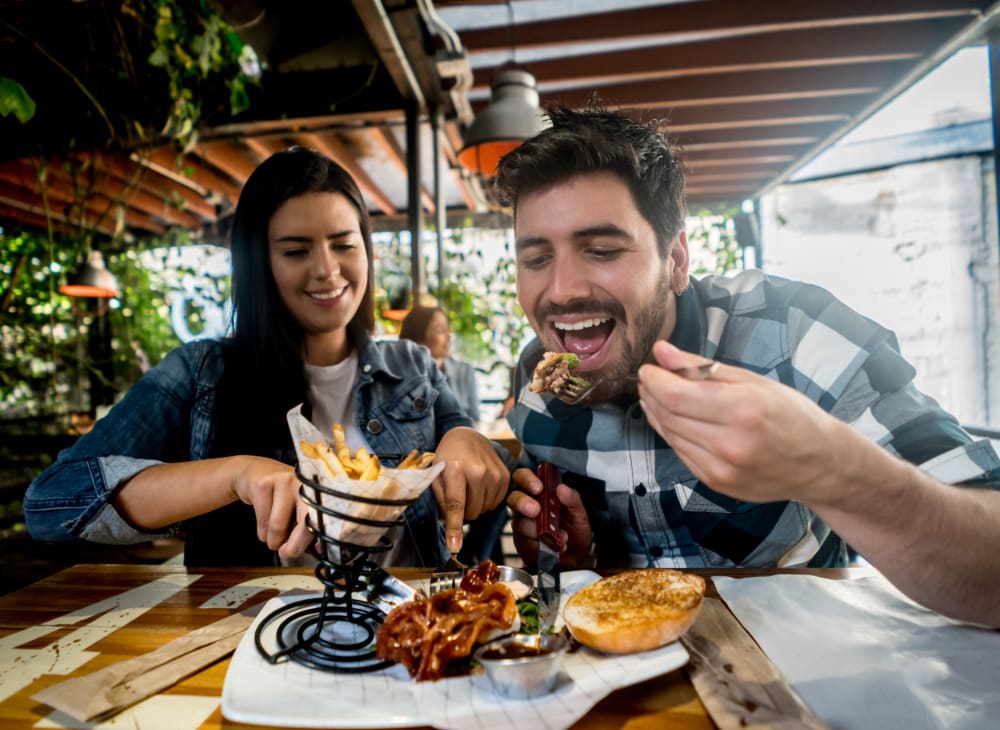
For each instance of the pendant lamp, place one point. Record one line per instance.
(512, 117)
(91, 279)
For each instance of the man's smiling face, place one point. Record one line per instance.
(591, 279)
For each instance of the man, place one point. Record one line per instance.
(809, 434)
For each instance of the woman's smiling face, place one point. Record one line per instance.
(320, 267)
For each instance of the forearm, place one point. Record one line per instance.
(935, 542)
(166, 494)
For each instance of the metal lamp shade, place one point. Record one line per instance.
(512, 117)
(91, 279)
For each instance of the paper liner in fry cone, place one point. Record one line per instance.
(367, 509)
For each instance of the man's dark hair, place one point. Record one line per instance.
(596, 140)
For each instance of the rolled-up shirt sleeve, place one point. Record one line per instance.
(72, 499)
(85, 512)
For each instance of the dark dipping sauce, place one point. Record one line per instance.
(514, 651)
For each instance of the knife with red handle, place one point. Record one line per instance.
(548, 548)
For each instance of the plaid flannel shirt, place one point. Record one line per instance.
(645, 506)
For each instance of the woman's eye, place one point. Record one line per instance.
(293, 252)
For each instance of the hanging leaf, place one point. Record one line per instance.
(14, 99)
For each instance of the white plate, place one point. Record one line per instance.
(291, 695)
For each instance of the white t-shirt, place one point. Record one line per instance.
(331, 393)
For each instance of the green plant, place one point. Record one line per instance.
(44, 365)
(712, 243)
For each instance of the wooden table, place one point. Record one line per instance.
(86, 617)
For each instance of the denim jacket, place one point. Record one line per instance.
(402, 402)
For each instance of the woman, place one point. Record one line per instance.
(428, 326)
(202, 439)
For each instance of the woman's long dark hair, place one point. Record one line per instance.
(264, 370)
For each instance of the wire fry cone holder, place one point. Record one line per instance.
(334, 632)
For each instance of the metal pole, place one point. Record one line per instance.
(437, 119)
(415, 212)
(993, 39)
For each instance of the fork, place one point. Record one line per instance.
(447, 576)
(572, 392)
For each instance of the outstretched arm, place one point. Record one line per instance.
(758, 440)
(165, 494)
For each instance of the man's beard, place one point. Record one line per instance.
(619, 379)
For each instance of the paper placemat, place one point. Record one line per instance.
(289, 694)
(863, 655)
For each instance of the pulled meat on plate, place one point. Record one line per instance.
(434, 637)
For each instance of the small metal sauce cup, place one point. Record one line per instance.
(523, 677)
(511, 575)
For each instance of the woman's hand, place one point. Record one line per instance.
(272, 488)
(575, 534)
(474, 480)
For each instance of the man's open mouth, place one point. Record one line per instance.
(586, 337)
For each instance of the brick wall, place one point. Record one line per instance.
(915, 248)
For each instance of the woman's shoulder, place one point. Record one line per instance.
(395, 355)
(195, 360)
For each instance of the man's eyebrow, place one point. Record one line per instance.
(529, 241)
(603, 229)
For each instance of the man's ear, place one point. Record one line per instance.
(680, 261)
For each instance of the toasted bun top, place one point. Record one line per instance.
(635, 610)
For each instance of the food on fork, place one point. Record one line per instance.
(553, 374)
(434, 637)
(636, 610)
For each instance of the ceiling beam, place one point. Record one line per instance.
(331, 146)
(91, 181)
(387, 140)
(795, 49)
(130, 173)
(719, 18)
(228, 157)
(738, 87)
(198, 177)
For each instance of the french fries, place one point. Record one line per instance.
(361, 465)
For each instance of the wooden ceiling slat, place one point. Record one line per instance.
(718, 17)
(227, 157)
(803, 48)
(130, 173)
(722, 157)
(165, 161)
(263, 147)
(804, 110)
(93, 181)
(35, 220)
(753, 134)
(748, 86)
(16, 198)
(397, 155)
(331, 146)
(698, 178)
